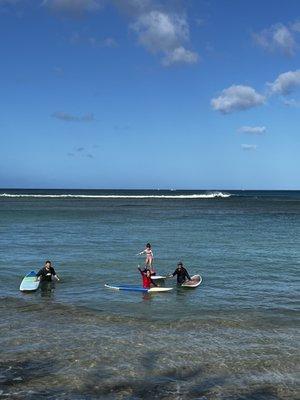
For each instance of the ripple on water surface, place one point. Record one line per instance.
(78, 353)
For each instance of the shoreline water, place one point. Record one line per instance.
(234, 337)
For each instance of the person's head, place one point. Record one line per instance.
(148, 273)
(180, 265)
(148, 245)
(48, 264)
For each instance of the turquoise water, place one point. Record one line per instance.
(235, 336)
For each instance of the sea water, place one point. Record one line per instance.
(234, 337)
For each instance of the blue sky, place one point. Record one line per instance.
(150, 94)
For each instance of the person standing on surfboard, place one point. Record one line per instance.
(182, 274)
(146, 276)
(45, 274)
(149, 258)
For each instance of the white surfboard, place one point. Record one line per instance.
(158, 277)
(159, 289)
(29, 283)
(193, 283)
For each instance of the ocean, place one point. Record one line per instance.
(234, 337)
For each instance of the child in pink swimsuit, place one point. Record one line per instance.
(149, 258)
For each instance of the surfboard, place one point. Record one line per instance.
(29, 282)
(159, 289)
(193, 283)
(135, 288)
(158, 277)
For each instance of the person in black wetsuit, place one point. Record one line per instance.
(182, 274)
(45, 274)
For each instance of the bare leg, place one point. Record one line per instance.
(151, 266)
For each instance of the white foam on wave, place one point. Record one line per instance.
(117, 196)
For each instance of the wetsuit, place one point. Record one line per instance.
(45, 274)
(182, 275)
(147, 281)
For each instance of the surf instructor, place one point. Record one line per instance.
(182, 274)
(45, 274)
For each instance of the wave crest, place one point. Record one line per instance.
(211, 195)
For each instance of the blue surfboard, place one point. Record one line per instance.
(135, 288)
(29, 282)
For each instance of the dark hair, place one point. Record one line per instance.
(48, 262)
(148, 245)
(180, 264)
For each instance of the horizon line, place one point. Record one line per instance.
(146, 189)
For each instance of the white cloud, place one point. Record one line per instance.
(157, 30)
(291, 103)
(237, 98)
(285, 83)
(283, 39)
(277, 37)
(161, 32)
(63, 116)
(180, 56)
(249, 147)
(255, 130)
(73, 7)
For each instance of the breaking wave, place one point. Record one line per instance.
(211, 195)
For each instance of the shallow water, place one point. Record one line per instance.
(234, 337)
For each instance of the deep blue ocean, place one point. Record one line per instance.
(234, 337)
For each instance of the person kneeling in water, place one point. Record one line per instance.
(182, 274)
(46, 273)
(146, 276)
